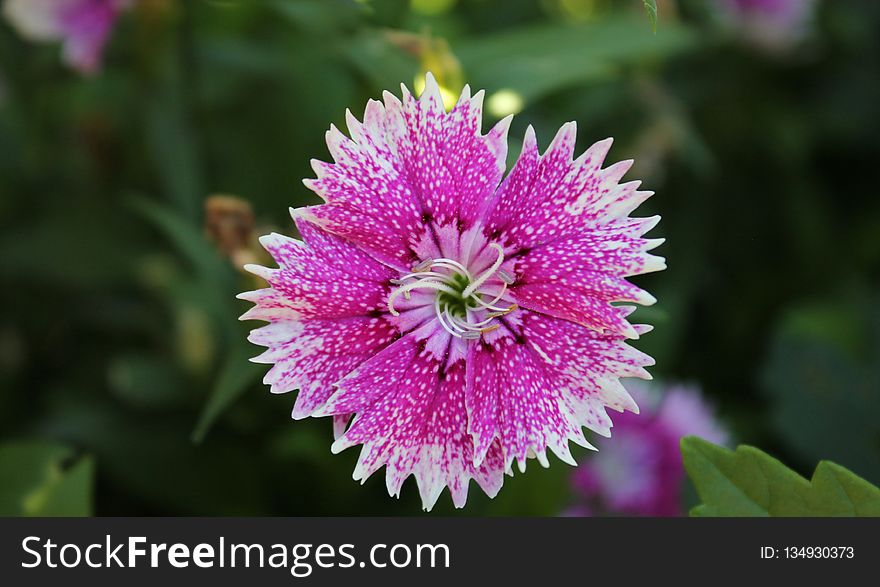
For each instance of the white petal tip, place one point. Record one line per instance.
(267, 239)
(258, 270)
(567, 459)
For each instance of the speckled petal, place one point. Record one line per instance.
(317, 305)
(407, 164)
(410, 417)
(578, 276)
(455, 169)
(616, 249)
(549, 196)
(514, 399)
(591, 364)
(585, 307)
(535, 386)
(325, 277)
(312, 355)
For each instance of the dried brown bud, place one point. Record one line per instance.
(229, 224)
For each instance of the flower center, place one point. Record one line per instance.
(462, 305)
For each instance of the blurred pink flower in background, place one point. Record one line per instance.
(774, 25)
(82, 25)
(641, 472)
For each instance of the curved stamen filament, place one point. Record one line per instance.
(420, 274)
(440, 314)
(486, 274)
(425, 283)
(450, 264)
(423, 266)
(452, 320)
(454, 306)
(476, 326)
(491, 305)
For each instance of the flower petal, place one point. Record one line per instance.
(537, 386)
(325, 277)
(409, 163)
(320, 307)
(455, 169)
(411, 417)
(312, 355)
(577, 276)
(511, 397)
(549, 196)
(591, 362)
(615, 249)
(583, 307)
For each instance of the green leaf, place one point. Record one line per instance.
(237, 374)
(651, 9)
(750, 482)
(38, 479)
(69, 494)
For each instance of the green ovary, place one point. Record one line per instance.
(456, 303)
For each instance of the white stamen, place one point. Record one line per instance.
(452, 320)
(450, 264)
(420, 274)
(440, 318)
(426, 283)
(486, 274)
(444, 276)
(473, 325)
(491, 305)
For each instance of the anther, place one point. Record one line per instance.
(423, 266)
(443, 276)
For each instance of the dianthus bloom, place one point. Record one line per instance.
(83, 25)
(770, 24)
(449, 321)
(641, 471)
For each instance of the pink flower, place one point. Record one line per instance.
(465, 322)
(774, 25)
(640, 472)
(82, 25)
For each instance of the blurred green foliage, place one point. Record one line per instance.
(118, 330)
(822, 380)
(42, 479)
